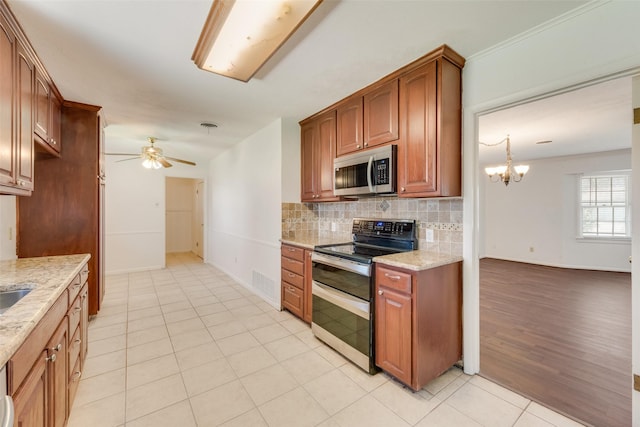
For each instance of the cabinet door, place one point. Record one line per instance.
(417, 174)
(57, 375)
(55, 125)
(349, 126)
(24, 94)
(326, 151)
(381, 115)
(393, 333)
(84, 324)
(308, 298)
(7, 111)
(308, 168)
(30, 400)
(42, 110)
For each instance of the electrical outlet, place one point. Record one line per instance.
(531, 249)
(430, 235)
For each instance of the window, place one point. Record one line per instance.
(605, 206)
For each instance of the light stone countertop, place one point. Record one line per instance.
(414, 260)
(48, 277)
(417, 260)
(308, 241)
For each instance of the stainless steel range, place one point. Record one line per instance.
(342, 290)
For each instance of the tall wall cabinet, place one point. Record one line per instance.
(64, 213)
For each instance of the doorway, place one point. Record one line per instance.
(531, 248)
(184, 216)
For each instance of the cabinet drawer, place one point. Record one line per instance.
(292, 252)
(74, 381)
(292, 299)
(293, 265)
(292, 278)
(393, 279)
(74, 288)
(74, 349)
(75, 311)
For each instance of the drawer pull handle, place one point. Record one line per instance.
(78, 341)
(76, 376)
(391, 276)
(78, 309)
(52, 358)
(292, 275)
(291, 250)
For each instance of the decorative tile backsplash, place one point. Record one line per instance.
(443, 216)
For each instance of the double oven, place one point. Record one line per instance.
(343, 283)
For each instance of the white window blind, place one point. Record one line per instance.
(605, 208)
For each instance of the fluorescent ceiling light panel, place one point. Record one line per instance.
(239, 36)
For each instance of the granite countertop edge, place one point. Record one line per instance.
(417, 260)
(48, 277)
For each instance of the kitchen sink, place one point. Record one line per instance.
(10, 297)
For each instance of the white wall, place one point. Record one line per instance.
(541, 213)
(245, 196)
(600, 40)
(179, 207)
(291, 165)
(7, 227)
(135, 214)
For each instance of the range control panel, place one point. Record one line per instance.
(403, 229)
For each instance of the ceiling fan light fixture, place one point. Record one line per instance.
(151, 163)
(239, 36)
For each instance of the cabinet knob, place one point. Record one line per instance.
(52, 358)
(366, 144)
(403, 189)
(380, 292)
(358, 146)
(58, 347)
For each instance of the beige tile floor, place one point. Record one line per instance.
(187, 346)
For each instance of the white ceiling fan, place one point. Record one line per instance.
(152, 157)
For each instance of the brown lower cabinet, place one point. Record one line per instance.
(296, 281)
(418, 322)
(43, 373)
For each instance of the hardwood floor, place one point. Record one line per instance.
(562, 337)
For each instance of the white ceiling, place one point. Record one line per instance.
(133, 58)
(592, 119)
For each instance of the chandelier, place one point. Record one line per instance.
(507, 172)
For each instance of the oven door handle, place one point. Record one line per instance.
(343, 264)
(341, 299)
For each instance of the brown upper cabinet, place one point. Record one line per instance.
(429, 155)
(48, 110)
(381, 114)
(318, 149)
(16, 113)
(368, 120)
(419, 108)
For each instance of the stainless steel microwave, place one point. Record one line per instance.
(367, 172)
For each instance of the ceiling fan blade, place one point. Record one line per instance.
(164, 162)
(186, 162)
(130, 158)
(121, 154)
